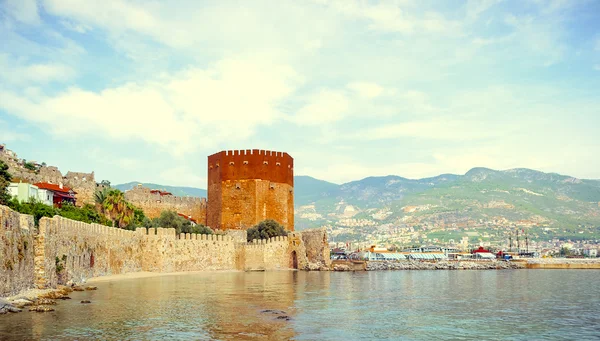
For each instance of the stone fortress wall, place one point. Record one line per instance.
(153, 203)
(246, 187)
(84, 184)
(63, 250)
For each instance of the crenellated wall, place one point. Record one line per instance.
(246, 187)
(153, 203)
(63, 250)
(251, 164)
(264, 254)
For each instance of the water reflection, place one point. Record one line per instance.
(401, 305)
(201, 306)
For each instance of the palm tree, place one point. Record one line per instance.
(114, 206)
(100, 196)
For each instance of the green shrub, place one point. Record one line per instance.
(265, 230)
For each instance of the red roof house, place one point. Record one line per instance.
(188, 217)
(62, 194)
(158, 191)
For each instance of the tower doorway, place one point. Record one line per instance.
(293, 260)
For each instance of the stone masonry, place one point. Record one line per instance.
(63, 250)
(153, 203)
(246, 187)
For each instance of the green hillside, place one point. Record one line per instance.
(549, 203)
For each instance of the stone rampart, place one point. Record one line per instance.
(63, 251)
(153, 204)
(265, 254)
(16, 251)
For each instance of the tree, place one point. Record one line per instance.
(88, 214)
(170, 219)
(115, 207)
(34, 208)
(265, 230)
(4, 182)
(30, 166)
(105, 183)
(201, 229)
(100, 197)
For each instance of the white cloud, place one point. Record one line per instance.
(597, 67)
(366, 89)
(390, 16)
(76, 27)
(324, 107)
(25, 11)
(183, 176)
(9, 134)
(476, 7)
(225, 102)
(18, 72)
(540, 35)
(437, 129)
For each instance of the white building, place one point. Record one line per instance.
(25, 192)
(45, 196)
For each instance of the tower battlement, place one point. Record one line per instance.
(251, 164)
(248, 186)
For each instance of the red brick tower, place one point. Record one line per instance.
(246, 187)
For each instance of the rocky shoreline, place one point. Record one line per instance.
(39, 300)
(443, 265)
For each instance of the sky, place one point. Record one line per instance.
(145, 90)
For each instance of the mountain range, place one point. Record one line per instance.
(549, 203)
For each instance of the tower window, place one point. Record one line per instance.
(231, 163)
(265, 162)
(238, 185)
(245, 162)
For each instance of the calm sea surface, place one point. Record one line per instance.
(395, 305)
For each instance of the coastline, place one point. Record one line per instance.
(564, 263)
(147, 274)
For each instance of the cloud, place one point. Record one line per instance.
(75, 27)
(324, 107)
(7, 133)
(179, 112)
(18, 72)
(392, 17)
(475, 7)
(437, 129)
(183, 176)
(540, 35)
(25, 11)
(366, 89)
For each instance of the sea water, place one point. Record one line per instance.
(282, 305)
